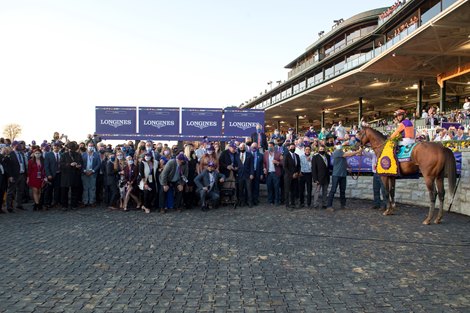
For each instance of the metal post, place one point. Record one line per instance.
(322, 119)
(296, 124)
(442, 102)
(359, 118)
(279, 125)
(419, 99)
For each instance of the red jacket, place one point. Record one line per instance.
(277, 157)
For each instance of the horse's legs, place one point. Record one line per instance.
(432, 198)
(441, 192)
(389, 183)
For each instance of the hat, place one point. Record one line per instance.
(210, 148)
(461, 127)
(14, 143)
(290, 128)
(211, 164)
(232, 145)
(181, 157)
(149, 154)
(33, 142)
(57, 144)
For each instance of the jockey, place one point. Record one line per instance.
(405, 129)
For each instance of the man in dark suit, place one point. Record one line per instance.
(16, 171)
(245, 175)
(208, 185)
(228, 162)
(260, 138)
(257, 172)
(101, 174)
(52, 167)
(291, 176)
(91, 166)
(175, 174)
(321, 176)
(272, 168)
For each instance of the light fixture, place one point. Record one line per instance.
(329, 99)
(299, 109)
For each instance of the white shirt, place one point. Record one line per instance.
(272, 167)
(466, 106)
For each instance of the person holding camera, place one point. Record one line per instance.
(174, 174)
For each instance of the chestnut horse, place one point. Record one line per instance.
(432, 159)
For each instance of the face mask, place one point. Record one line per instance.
(248, 143)
(37, 155)
(166, 152)
(280, 144)
(130, 162)
(242, 150)
(254, 149)
(210, 170)
(175, 150)
(321, 152)
(292, 150)
(258, 130)
(183, 163)
(91, 149)
(149, 148)
(276, 133)
(147, 158)
(338, 147)
(112, 159)
(119, 157)
(102, 151)
(159, 150)
(210, 152)
(270, 149)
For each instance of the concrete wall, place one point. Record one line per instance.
(413, 191)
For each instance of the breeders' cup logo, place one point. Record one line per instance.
(116, 123)
(243, 125)
(158, 124)
(353, 162)
(201, 124)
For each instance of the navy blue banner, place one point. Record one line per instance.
(116, 120)
(159, 121)
(242, 123)
(197, 123)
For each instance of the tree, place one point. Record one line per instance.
(11, 131)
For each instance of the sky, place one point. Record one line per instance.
(60, 59)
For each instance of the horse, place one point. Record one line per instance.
(432, 159)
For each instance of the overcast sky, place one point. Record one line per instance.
(60, 59)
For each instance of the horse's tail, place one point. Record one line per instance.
(450, 169)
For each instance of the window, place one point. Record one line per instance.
(429, 10)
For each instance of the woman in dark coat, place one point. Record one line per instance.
(70, 168)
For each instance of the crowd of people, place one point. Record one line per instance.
(298, 169)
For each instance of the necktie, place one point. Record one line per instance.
(259, 140)
(243, 158)
(295, 160)
(256, 159)
(57, 158)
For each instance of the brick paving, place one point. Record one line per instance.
(263, 259)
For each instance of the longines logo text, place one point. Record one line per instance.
(201, 124)
(158, 124)
(116, 123)
(243, 125)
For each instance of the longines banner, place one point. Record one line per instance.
(115, 120)
(241, 123)
(201, 122)
(159, 121)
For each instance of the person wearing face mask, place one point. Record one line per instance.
(207, 184)
(52, 167)
(175, 174)
(305, 177)
(91, 166)
(16, 170)
(111, 183)
(166, 200)
(321, 172)
(277, 136)
(148, 184)
(189, 196)
(245, 176)
(291, 174)
(258, 174)
(100, 175)
(131, 172)
(207, 157)
(260, 138)
(339, 175)
(272, 169)
(36, 177)
(70, 180)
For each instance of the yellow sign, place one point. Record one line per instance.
(387, 163)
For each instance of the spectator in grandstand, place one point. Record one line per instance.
(466, 105)
(460, 134)
(441, 135)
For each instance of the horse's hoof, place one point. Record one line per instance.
(437, 221)
(426, 222)
(387, 212)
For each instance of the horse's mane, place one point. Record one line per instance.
(375, 132)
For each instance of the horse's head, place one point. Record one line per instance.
(362, 136)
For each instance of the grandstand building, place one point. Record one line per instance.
(411, 55)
